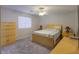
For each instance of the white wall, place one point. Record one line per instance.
(65, 19)
(0, 13)
(8, 15)
(78, 20)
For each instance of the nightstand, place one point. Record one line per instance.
(67, 34)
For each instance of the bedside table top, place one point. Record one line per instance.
(67, 34)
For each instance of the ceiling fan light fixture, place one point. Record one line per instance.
(42, 13)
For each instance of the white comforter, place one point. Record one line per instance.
(52, 33)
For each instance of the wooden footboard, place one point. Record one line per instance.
(46, 41)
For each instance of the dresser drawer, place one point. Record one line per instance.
(11, 40)
(3, 42)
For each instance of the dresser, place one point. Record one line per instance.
(66, 46)
(7, 33)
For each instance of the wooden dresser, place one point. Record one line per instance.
(7, 33)
(66, 46)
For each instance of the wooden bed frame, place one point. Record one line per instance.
(46, 41)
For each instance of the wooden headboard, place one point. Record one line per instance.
(54, 26)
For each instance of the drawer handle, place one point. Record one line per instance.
(7, 40)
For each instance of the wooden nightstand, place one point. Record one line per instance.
(66, 34)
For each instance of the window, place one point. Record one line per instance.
(24, 22)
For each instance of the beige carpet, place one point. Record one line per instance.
(25, 46)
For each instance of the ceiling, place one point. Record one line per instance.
(33, 9)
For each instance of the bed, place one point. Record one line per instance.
(47, 37)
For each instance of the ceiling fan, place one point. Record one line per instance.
(41, 11)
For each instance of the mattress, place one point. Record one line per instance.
(51, 33)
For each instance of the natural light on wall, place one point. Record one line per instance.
(24, 22)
